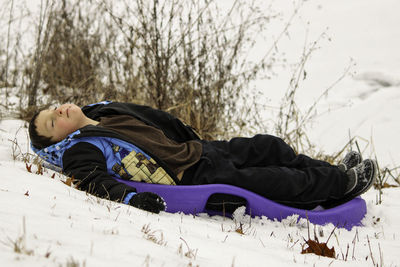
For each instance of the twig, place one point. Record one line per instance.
(331, 234)
(354, 244)
(372, 257)
(8, 45)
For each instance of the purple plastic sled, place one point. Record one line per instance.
(192, 199)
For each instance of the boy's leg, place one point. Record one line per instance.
(264, 150)
(277, 174)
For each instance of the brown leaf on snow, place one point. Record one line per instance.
(27, 193)
(69, 181)
(28, 167)
(320, 249)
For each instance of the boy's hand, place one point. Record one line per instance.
(148, 201)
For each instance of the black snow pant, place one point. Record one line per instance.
(266, 165)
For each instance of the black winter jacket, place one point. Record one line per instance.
(87, 164)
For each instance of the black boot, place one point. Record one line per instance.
(361, 178)
(351, 160)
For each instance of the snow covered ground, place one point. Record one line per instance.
(44, 222)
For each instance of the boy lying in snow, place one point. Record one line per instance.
(128, 141)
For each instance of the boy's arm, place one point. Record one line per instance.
(172, 126)
(87, 165)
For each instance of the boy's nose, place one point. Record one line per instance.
(59, 111)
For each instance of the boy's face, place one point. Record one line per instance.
(58, 123)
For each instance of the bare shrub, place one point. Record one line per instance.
(10, 54)
(73, 55)
(293, 122)
(185, 57)
(32, 71)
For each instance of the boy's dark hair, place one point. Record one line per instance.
(38, 141)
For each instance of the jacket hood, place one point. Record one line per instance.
(53, 153)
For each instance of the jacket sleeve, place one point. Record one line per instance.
(87, 165)
(172, 127)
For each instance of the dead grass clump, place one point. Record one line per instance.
(19, 245)
(190, 253)
(73, 55)
(184, 57)
(382, 181)
(71, 262)
(152, 235)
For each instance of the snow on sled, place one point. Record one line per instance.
(194, 199)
